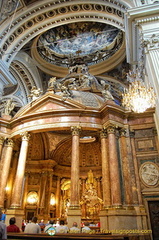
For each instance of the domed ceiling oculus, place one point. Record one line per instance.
(94, 42)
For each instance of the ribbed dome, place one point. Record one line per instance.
(87, 98)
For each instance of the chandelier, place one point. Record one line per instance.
(138, 97)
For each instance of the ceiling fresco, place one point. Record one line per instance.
(94, 42)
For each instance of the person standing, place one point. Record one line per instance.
(12, 227)
(3, 217)
(3, 228)
(33, 227)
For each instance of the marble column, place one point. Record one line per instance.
(136, 170)
(114, 168)
(5, 169)
(11, 177)
(50, 178)
(18, 184)
(83, 181)
(74, 211)
(1, 145)
(43, 185)
(105, 169)
(58, 197)
(26, 176)
(75, 197)
(99, 193)
(125, 168)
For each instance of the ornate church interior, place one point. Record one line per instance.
(79, 124)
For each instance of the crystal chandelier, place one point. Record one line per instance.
(138, 97)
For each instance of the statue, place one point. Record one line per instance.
(66, 92)
(34, 93)
(106, 91)
(8, 106)
(52, 84)
(90, 197)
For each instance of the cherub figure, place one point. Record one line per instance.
(35, 93)
(52, 84)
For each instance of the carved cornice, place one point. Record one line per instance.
(147, 20)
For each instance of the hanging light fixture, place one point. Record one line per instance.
(138, 97)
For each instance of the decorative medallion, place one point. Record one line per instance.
(149, 174)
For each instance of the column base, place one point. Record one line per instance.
(74, 215)
(17, 213)
(122, 218)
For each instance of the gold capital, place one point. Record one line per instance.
(25, 136)
(75, 130)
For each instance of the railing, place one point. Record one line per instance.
(77, 236)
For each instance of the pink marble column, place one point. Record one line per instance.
(125, 168)
(58, 198)
(138, 187)
(50, 177)
(105, 169)
(99, 193)
(18, 184)
(1, 145)
(114, 168)
(83, 181)
(5, 169)
(75, 197)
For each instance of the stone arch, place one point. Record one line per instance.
(33, 22)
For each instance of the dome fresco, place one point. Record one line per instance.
(87, 40)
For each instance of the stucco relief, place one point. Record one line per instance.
(149, 174)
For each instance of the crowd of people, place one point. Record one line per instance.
(33, 227)
(60, 227)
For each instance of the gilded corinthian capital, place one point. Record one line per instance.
(103, 133)
(122, 132)
(76, 130)
(1, 140)
(111, 129)
(9, 142)
(25, 136)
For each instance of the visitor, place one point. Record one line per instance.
(62, 228)
(3, 228)
(86, 228)
(23, 225)
(12, 227)
(74, 228)
(3, 217)
(51, 224)
(42, 225)
(33, 227)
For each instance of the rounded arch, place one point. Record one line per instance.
(43, 17)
